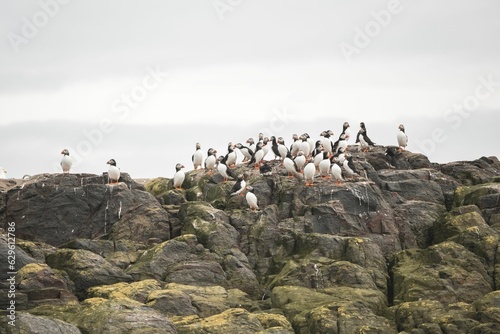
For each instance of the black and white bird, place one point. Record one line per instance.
(336, 172)
(274, 147)
(245, 151)
(210, 161)
(251, 199)
(265, 169)
(282, 149)
(113, 172)
(309, 172)
(66, 162)
(251, 144)
(3, 173)
(304, 146)
(349, 167)
(326, 141)
(231, 156)
(317, 153)
(258, 155)
(290, 165)
(343, 138)
(402, 138)
(324, 165)
(197, 157)
(295, 147)
(300, 160)
(179, 176)
(239, 186)
(362, 138)
(223, 169)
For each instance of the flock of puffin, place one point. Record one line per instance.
(305, 156)
(323, 157)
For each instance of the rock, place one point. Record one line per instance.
(232, 321)
(470, 173)
(86, 269)
(485, 196)
(18, 256)
(43, 284)
(446, 272)
(28, 323)
(56, 209)
(333, 310)
(138, 291)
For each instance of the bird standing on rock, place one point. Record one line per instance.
(239, 187)
(3, 173)
(66, 162)
(251, 199)
(197, 157)
(362, 138)
(179, 176)
(402, 138)
(222, 168)
(210, 161)
(113, 172)
(309, 171)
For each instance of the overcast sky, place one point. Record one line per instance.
(143, 81)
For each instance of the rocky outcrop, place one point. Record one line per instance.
(406, 246)
(56, 209)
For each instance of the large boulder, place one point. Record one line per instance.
(86, 269)
(446, 272)
(58, 208)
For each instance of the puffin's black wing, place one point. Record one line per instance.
(368, 140)
(357, 136)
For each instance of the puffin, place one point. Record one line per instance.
(304, 146)
(274, 147)
(362, 138)
(258, 155)
(197, 157)
(210, 161)
(113, 172)
(343, 138)
(324, 165)
(326, 141)
(309, 171)
(295, 147)
(66, 162)
(179, 176)
(246, 151)
(290, 165)
(251, 199)
(265, 169)
(336, 173)
(3, 173)
(223, 169)
(402, 138)
(282, 149)
(231, 156)
(309, 141)
(251, 144)
(300, 160)
(317, 153)
(339, 157)
(239, 186)
(265, 146)
(349, 167)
